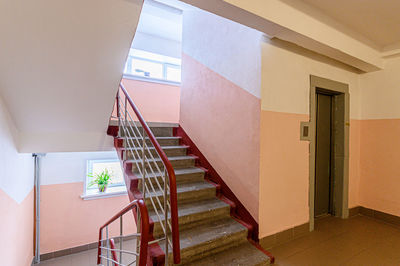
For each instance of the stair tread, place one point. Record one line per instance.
(172, 158)
(159, 137)
(179, 171)
(195, 207)
(206, 233)
(163, 147)
(186, 187)
(244, 254)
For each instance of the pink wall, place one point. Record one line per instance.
(156, 102)
(223, 120)
(16, 230)
(380, 171)
(284, 168)
(68, 221)
(354, 162)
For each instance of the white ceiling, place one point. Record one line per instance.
(161, 20)
(376, 20)
(60, 65)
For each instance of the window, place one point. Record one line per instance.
(153, 66)
(116, 185)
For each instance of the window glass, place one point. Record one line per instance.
(153, 66)
(97, 166)
(173, 73)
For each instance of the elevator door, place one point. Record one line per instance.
(323, 176)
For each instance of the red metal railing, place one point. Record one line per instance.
(144, 232)
(169, 169)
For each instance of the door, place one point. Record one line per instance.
(323, 173)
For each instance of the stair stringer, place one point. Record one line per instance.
(237, 210)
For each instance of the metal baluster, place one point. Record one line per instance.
(101, 244)
(138, 239)
(120, 239)
(143, 163)
(124, 156)
(166, 217)
(108, 245)
(118, 114)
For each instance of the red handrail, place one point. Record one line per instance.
(144, 229)
(171, 175)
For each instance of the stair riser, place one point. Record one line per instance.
(169, 152)
(180, 179)
(157, 131)
(185, 197)
(196, 219)
(184, 163)
(211, 247)
(162, 142)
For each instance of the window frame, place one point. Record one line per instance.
(116, 189)
(129, 66)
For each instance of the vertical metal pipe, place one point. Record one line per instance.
(36, 158)
(124, 157)
(143, 163)
(166, 215)
(108, 246)
(120, 238)
(139, 230)
(118, 114)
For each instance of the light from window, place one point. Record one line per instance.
(97, 166)
(154, 66)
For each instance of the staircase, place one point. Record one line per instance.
(211, 228)
(208, 233)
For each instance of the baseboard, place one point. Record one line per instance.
(285, 236)
(383, 216)
(77, 249)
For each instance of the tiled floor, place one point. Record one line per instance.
(356, 241)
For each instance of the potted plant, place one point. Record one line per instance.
(101, 180)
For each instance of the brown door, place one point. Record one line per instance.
(323, 180)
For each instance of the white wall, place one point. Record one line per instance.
(156, 44)
(16, 169)
(286, 78)
(380, 92)
(70, 167)
(224, 39)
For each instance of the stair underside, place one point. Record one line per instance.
(208, 235)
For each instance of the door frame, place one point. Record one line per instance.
(334, 87)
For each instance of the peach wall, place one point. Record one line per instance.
(223, 120)
(380, 171)
(156, 102)
(16, 230)
(68, 221)
(354, 162)
(283, 172)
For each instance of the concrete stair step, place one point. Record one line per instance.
(209, 239)
(194, 214)
(187, 192)
(163, 141)
(170, 151)
(177, 162)
(158, 131)
(244, 254)
(183, 175)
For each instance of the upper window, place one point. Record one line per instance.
(153, 66)
(97, 167)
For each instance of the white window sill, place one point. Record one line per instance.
(110, 192)
(154, 80)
